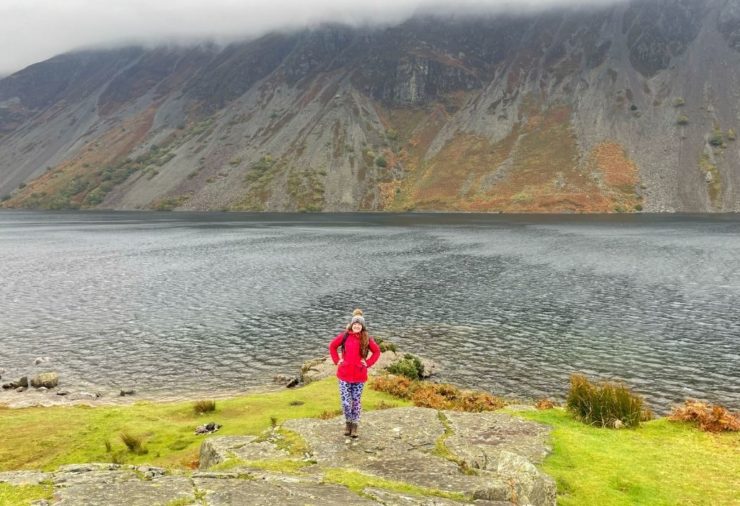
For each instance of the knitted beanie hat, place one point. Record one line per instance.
(358, 318)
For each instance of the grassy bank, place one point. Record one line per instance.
(46, 438)
(660, 462)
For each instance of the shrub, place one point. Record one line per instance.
(201, 407)
(480, 401)
(397, 386)
(731, 136)
(682, 120)
(436, 395)
(381, 162)
(679, 102)
(544, 404)
(410, 366)
(135, 444)
(606, 404)
(385, 345)
(427, 395)
(710, 418)
(717, 138)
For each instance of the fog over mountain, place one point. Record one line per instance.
(39, 29)
(619, 107)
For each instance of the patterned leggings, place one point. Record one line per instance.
(351, 394)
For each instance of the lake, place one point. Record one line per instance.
(195, 302)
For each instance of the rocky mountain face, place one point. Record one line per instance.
(617, 109)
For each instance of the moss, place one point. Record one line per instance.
(25, 494)
(358, 482)
(441, 450)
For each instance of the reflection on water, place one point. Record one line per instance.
(168, 302)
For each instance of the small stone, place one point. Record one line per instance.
(10, 386)
(124, 393)
(42, 389)
(20, 389)
(41, 360)
(85, 395)
(62, 392)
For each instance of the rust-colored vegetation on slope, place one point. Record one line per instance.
(83, 180)
(537, 167)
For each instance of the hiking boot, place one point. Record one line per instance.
(353, 430)
(348, 429)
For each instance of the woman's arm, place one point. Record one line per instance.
(333, 346)
(375, 349)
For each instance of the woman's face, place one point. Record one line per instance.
(356, 327)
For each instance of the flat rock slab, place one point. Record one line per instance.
(479, 439)
(18, 478)
(215, 450)
(219, 492)
(108, 486)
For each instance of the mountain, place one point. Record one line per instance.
(614, 109)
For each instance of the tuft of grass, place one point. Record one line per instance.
(329, 414)
(709, 418)
(135, 444)
(663, 463)
(201, 407)
(385, 405)
(606, 404)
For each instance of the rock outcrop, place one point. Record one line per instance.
(404, 456)
(469, 456)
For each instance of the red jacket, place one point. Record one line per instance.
(352, 369)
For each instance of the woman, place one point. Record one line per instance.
(353, 364)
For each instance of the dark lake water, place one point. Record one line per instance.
(170, 302)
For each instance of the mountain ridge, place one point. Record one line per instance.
(632, 107)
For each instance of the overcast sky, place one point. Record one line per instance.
(34, 30)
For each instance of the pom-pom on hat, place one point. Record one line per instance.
(358, 318)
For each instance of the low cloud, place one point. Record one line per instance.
(34, 30)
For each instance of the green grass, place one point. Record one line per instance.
(660, 463)
(46, 438)
(24, 494)
(358, 482)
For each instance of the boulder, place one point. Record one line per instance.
(45, 379)
(23, 382)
